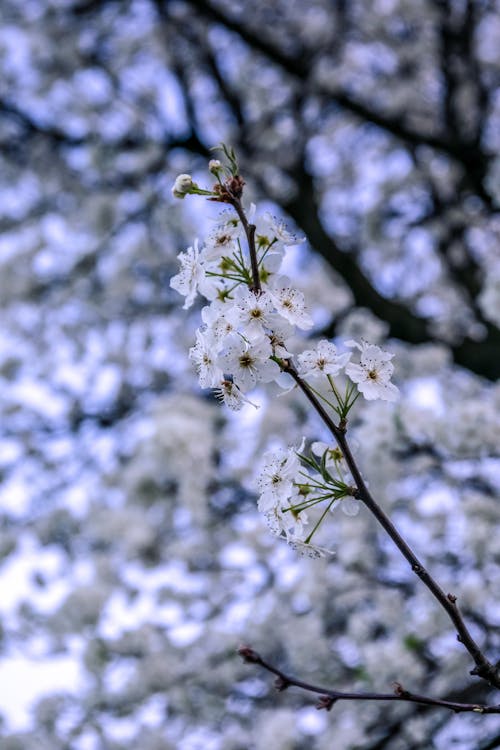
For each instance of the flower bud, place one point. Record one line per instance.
(214, 166)
(183, 185)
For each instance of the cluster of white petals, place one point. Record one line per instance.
(324, 360)
(248, 361)
(373, 373)
(280, 471)
(192, 277)
(245, 339)
(242, 329)
(278, 484)
(287, 489)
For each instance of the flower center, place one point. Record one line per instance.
(372, 374)
(224, 239)
(246, 360)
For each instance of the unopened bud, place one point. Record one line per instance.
(214, 166)
(281, 684)
(183, 185)
(248, 654)
(326, 702)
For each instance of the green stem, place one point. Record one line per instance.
(308, 540)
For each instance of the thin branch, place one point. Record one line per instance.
(250, 235)
(484, 668)
(329, 697)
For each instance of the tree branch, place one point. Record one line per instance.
(250, 235)
(329, 697)
(484, 668)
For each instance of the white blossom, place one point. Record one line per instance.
(248, 361)
(214, 166)
(221, 319)
(373, 373)
(204, 355)
(307, 549)
(270, 264)
(324, 360)
(114, 480)
(282, 521)
(280, 331)
(276, 228)
(230, 394)
(253, 311)
(290, 303)
(191, 278)
(278, 478)
(222, 240)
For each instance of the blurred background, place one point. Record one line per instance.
(133, 561)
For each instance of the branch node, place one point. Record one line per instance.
(248, 655)
(325, 702)
(451, 598)
(281, 684)
(400, 691)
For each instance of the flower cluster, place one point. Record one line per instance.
(291, 484)
(245, 339)
(244, 330)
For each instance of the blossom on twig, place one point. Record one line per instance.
(373, 373)
(183, 185)
(192, 276)
(249, 361)
(324, 360)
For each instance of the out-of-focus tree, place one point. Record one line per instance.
(130, 544)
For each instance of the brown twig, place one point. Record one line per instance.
(329, 697)
(230, 192)
(484, 668)
(250, 234)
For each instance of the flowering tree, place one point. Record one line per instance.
(134, 557)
